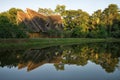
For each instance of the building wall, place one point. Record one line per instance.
(34, 35)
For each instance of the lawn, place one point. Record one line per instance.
(44, 42)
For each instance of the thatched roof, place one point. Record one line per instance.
(36, 22)
(55, 18)
(23, 17)
(33, 14)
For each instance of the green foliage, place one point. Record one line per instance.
(74, 18)
(105, 24)
(77, 32)
(116, 31)
(108, 16)
(67, 33)
(5, 27)
(77, 23)
(60, 9)
(54, 33)
(46, 11)
(9, 29)
(101, 33)
(18, 33)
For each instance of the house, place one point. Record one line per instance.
(39, 23)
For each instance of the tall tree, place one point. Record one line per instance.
(9, 29)
(5, 26)
(95, 19)
(108, 15)
(46, 11)
(60, 9)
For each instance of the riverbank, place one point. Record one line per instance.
(42, 42)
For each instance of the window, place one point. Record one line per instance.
(47, 25)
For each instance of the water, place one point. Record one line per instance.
(95, 61)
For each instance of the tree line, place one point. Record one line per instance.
(101, 24)
(77, 23)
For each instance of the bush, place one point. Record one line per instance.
(78, 33)
(9, 30)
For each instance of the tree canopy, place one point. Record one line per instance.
(77, 23)
(8, 25)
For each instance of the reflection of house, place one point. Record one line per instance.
(34, 58)
(32, 65)
(37, 22)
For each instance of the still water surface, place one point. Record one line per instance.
(96, 61)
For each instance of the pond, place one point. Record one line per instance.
(93, 61)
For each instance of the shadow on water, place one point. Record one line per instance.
(107, 55)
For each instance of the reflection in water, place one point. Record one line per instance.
(34, 58)
(107, 55)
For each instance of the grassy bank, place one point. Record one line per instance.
(43, 42)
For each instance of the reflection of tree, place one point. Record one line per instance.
(118, 65)
(104, 54)
(71, 58)
(105, 60)
(10, 57)
(108, 57)
(59, 66)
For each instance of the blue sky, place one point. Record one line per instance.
(86, 5)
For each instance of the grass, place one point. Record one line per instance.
(44, 42)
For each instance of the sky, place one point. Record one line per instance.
(86, 5)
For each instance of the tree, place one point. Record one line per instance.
(77, 32)
(116, 29)
(108, 15)
(106, 21)
(46, 11)
(95, 19)
(8, 29)
(74, 19)
(60, 9)
(5, 26)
